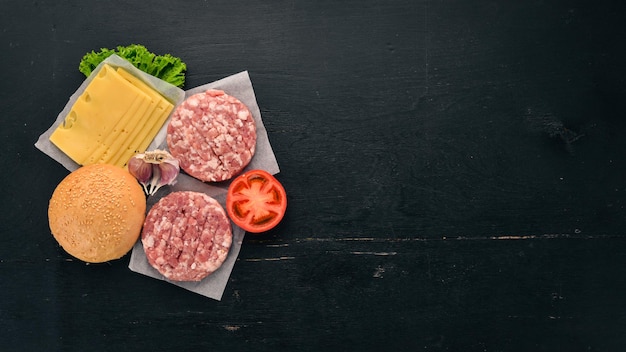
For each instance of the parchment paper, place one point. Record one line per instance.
(212, 286)
(170, 92)
(237, 85)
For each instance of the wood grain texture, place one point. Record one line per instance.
(455, 173)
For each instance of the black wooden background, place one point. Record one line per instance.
(456, 175)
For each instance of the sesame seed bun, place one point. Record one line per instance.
(96, 213)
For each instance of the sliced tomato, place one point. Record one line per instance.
(256, 201)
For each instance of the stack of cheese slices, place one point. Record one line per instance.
(117, 116)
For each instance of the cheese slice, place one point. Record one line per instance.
(103, 149)
(117, 116)
(160, 120)
(134, 127)
(140, 84)
(146, 133)
(93, 117)
(149, 125)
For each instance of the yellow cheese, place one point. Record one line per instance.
(146, 133)
(148, 126)
(135, 125)
(117, 116)
(140, 84)
(93, 117)
(103, 149)
(160, 120)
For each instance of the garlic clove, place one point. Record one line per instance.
(169, 170)
(154, 169)
(140, 169)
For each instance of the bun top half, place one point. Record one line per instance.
(96, 213)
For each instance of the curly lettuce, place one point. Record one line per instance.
(166, 67)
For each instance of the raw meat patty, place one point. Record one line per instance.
(213, 135)
(186, 236)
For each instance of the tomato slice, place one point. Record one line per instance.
(256, 201)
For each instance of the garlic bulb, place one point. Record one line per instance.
(154, 169)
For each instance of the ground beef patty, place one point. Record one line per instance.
(213, 135)
(186, 236)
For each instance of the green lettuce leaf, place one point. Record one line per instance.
(166, 67)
